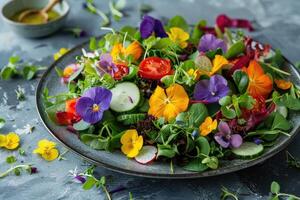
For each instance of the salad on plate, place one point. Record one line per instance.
(192, 96)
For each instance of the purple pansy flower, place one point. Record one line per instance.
(151, 25)
(209, 42)
(91, 105)
(210, 91)
(225, 138)
(106, 65)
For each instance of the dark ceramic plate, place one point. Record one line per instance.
(117, 161)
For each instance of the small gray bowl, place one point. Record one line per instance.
(33, 31)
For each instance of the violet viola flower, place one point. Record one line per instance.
(151, 25)
(106, 65)
(212, 90)
(225, 138)
(91, 105)
(209, 42)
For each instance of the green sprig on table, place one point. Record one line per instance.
(16, 67)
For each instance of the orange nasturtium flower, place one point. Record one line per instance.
(134, 49)
(168, 103)
(283, 84)
(132, 143)
(9, 141)
(47, 150)
(208, 126)
(260, 84)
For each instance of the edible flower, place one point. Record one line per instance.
(225, 138)
(208, 126)
(224, 21)
(283, 84)
(168, 103)
(106, 65)
(151, 25)
(179, 36)
(69, 71)
(210, 91)
(132, 143)
(218, 63)
(10, 141)
(260, 84)
(118, 51)
(92, 104)
(209, 42)
(208, 68)
(69, 116)
(195, 73)
(60, 53)
(47, 150)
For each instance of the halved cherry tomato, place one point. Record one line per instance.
(122, 71)
(154, 68)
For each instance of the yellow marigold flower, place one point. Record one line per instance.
(179, 36)
(283, 84)
(47, 150)
(168, 103)
(9, 141)
(134, 49)
(218, 63)
(132, 143)
(60, 53)
(207, 126)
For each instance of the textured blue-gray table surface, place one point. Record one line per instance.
(278, 21)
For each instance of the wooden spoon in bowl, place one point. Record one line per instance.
(43, 12)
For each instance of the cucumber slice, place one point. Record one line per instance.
(125, 97)
(128, 119)
(248, 150)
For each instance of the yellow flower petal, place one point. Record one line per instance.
(50, 154)
(46, 143)
(131, 143)
(208, 126)
(3, 140)
(60, 53)
(135, 50)
(218, 62)
(168, 103)
(117, 51)
(12, 141)
(178, 36)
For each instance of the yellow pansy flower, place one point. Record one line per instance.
(218, 62)
(9, 141)
(134, 49)
(283, 84)
(60, 53)
(207, 126)
(168, 103)
(179, 36)
(132, 143)
(47, 150)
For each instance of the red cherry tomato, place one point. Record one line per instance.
(122, 71)
(154, 68)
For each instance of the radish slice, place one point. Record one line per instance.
(146, 155)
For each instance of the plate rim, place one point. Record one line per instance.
(191, 175)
